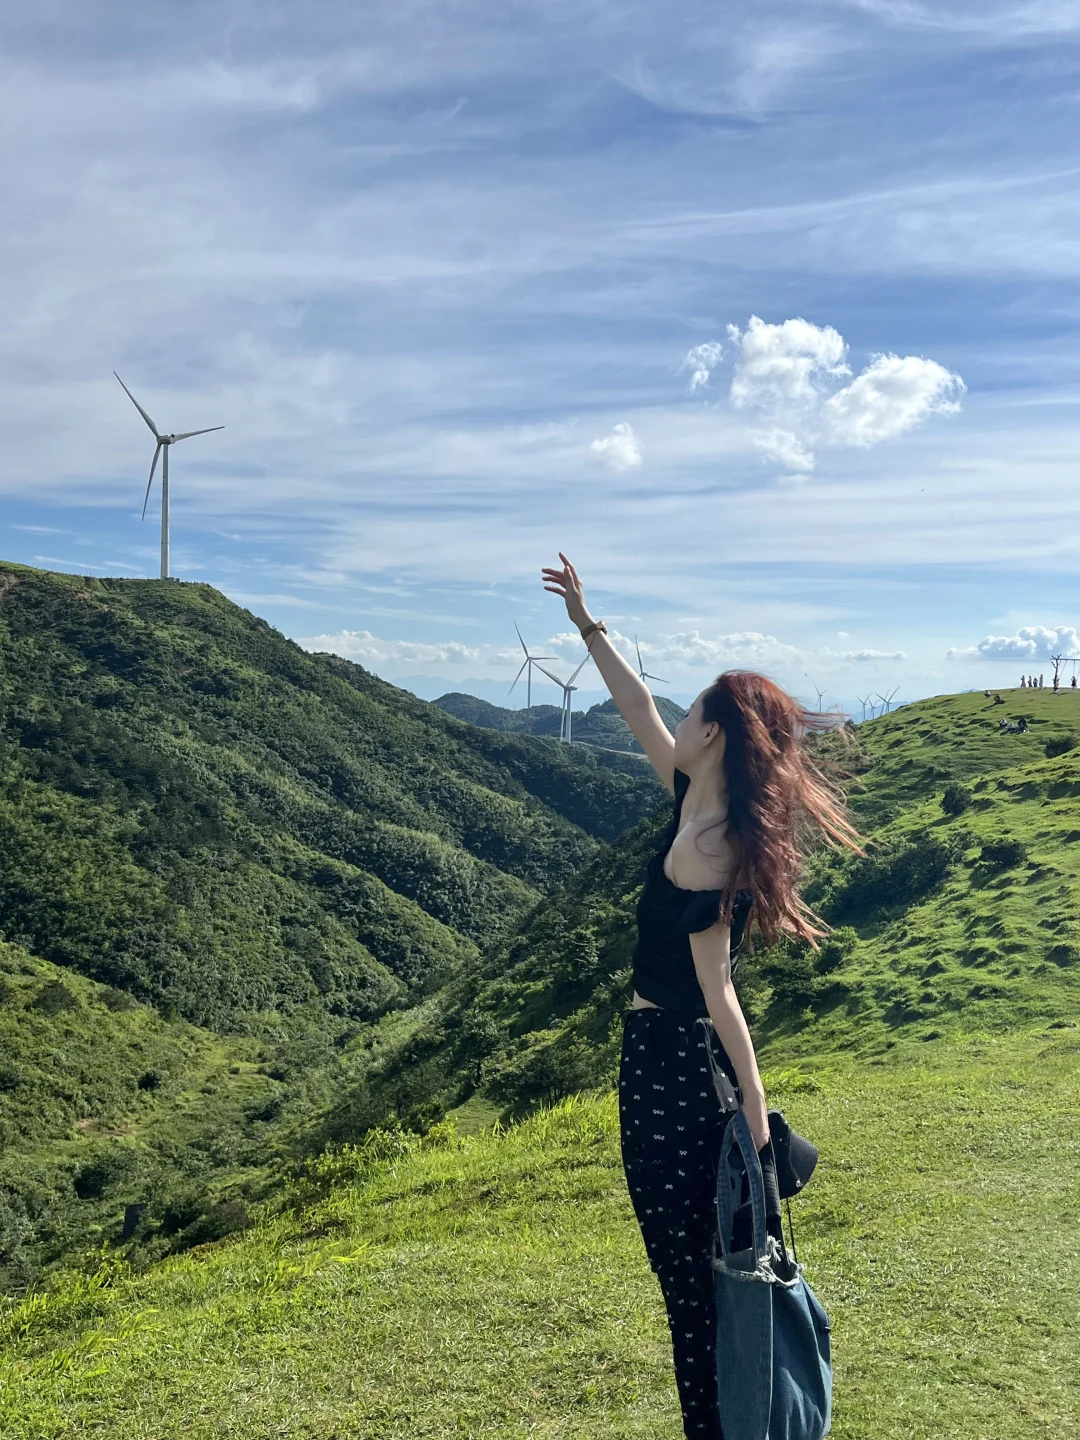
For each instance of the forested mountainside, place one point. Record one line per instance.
(964, 914)
(221, 859)
(195, 810)
(601, 725)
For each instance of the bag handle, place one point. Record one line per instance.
(729, 1102)
(736, 1131)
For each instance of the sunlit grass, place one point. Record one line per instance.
(496, 1284)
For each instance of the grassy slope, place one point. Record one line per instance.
(497, 1286)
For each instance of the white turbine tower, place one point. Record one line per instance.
(528, 663)
(641, 668)
(567, 687)
(163, 443)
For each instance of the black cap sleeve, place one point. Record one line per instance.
(701, 911)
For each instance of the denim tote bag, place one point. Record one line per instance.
(773, 1337)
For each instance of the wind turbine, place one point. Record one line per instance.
(567, 687)
(641, 668)
(529, 662)
(163, 443)
(886, 700)
(864, 700)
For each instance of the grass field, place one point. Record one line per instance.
(496, 1285)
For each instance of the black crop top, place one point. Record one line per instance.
(667, 916)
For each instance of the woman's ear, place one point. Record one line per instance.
(709, 732)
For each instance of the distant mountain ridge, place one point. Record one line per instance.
(600, 726)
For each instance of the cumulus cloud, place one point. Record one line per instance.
(1031, 642)
(791, 374)
(701, 361)
(368, 649)
(893, 394)
(784, 364)
(621, 450)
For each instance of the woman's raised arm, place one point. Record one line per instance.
(628, 690)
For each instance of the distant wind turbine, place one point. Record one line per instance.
(886, 700)
(641, 668)
(163, 443)
(567, 687)
(529, 662)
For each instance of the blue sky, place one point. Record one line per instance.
(437, 268)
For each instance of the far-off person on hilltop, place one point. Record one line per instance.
(728, 865)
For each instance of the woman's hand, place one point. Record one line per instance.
(757, 1117)
(565, 582)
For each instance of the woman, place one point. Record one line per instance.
(729, 860)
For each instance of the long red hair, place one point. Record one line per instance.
(774, 789)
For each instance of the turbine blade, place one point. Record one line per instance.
(578, 671)
(189, 433)
(641, 668)
(517, 677)
(153, 467)
(550, 676)
(523, 645)
(139, 408)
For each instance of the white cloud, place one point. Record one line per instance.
(701, 361)
(783, 364)
(368, 649)
(1031, 642)
(785, 447)
(789, 373)
(893, 394)
(621, 450)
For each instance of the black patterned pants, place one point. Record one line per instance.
(671, 1128)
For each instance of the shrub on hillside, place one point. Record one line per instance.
(225, 1217)
(1060, 745)
(893, 874)
(834, 950)
(116, 1000)
(956, 799)
(53, 998)
(112, 1164)
(1003, 854)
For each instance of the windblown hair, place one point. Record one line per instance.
(775, 790)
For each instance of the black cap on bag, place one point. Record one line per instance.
(796, 1157)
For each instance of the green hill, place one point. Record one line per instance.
(269, 848)
(194, 809)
